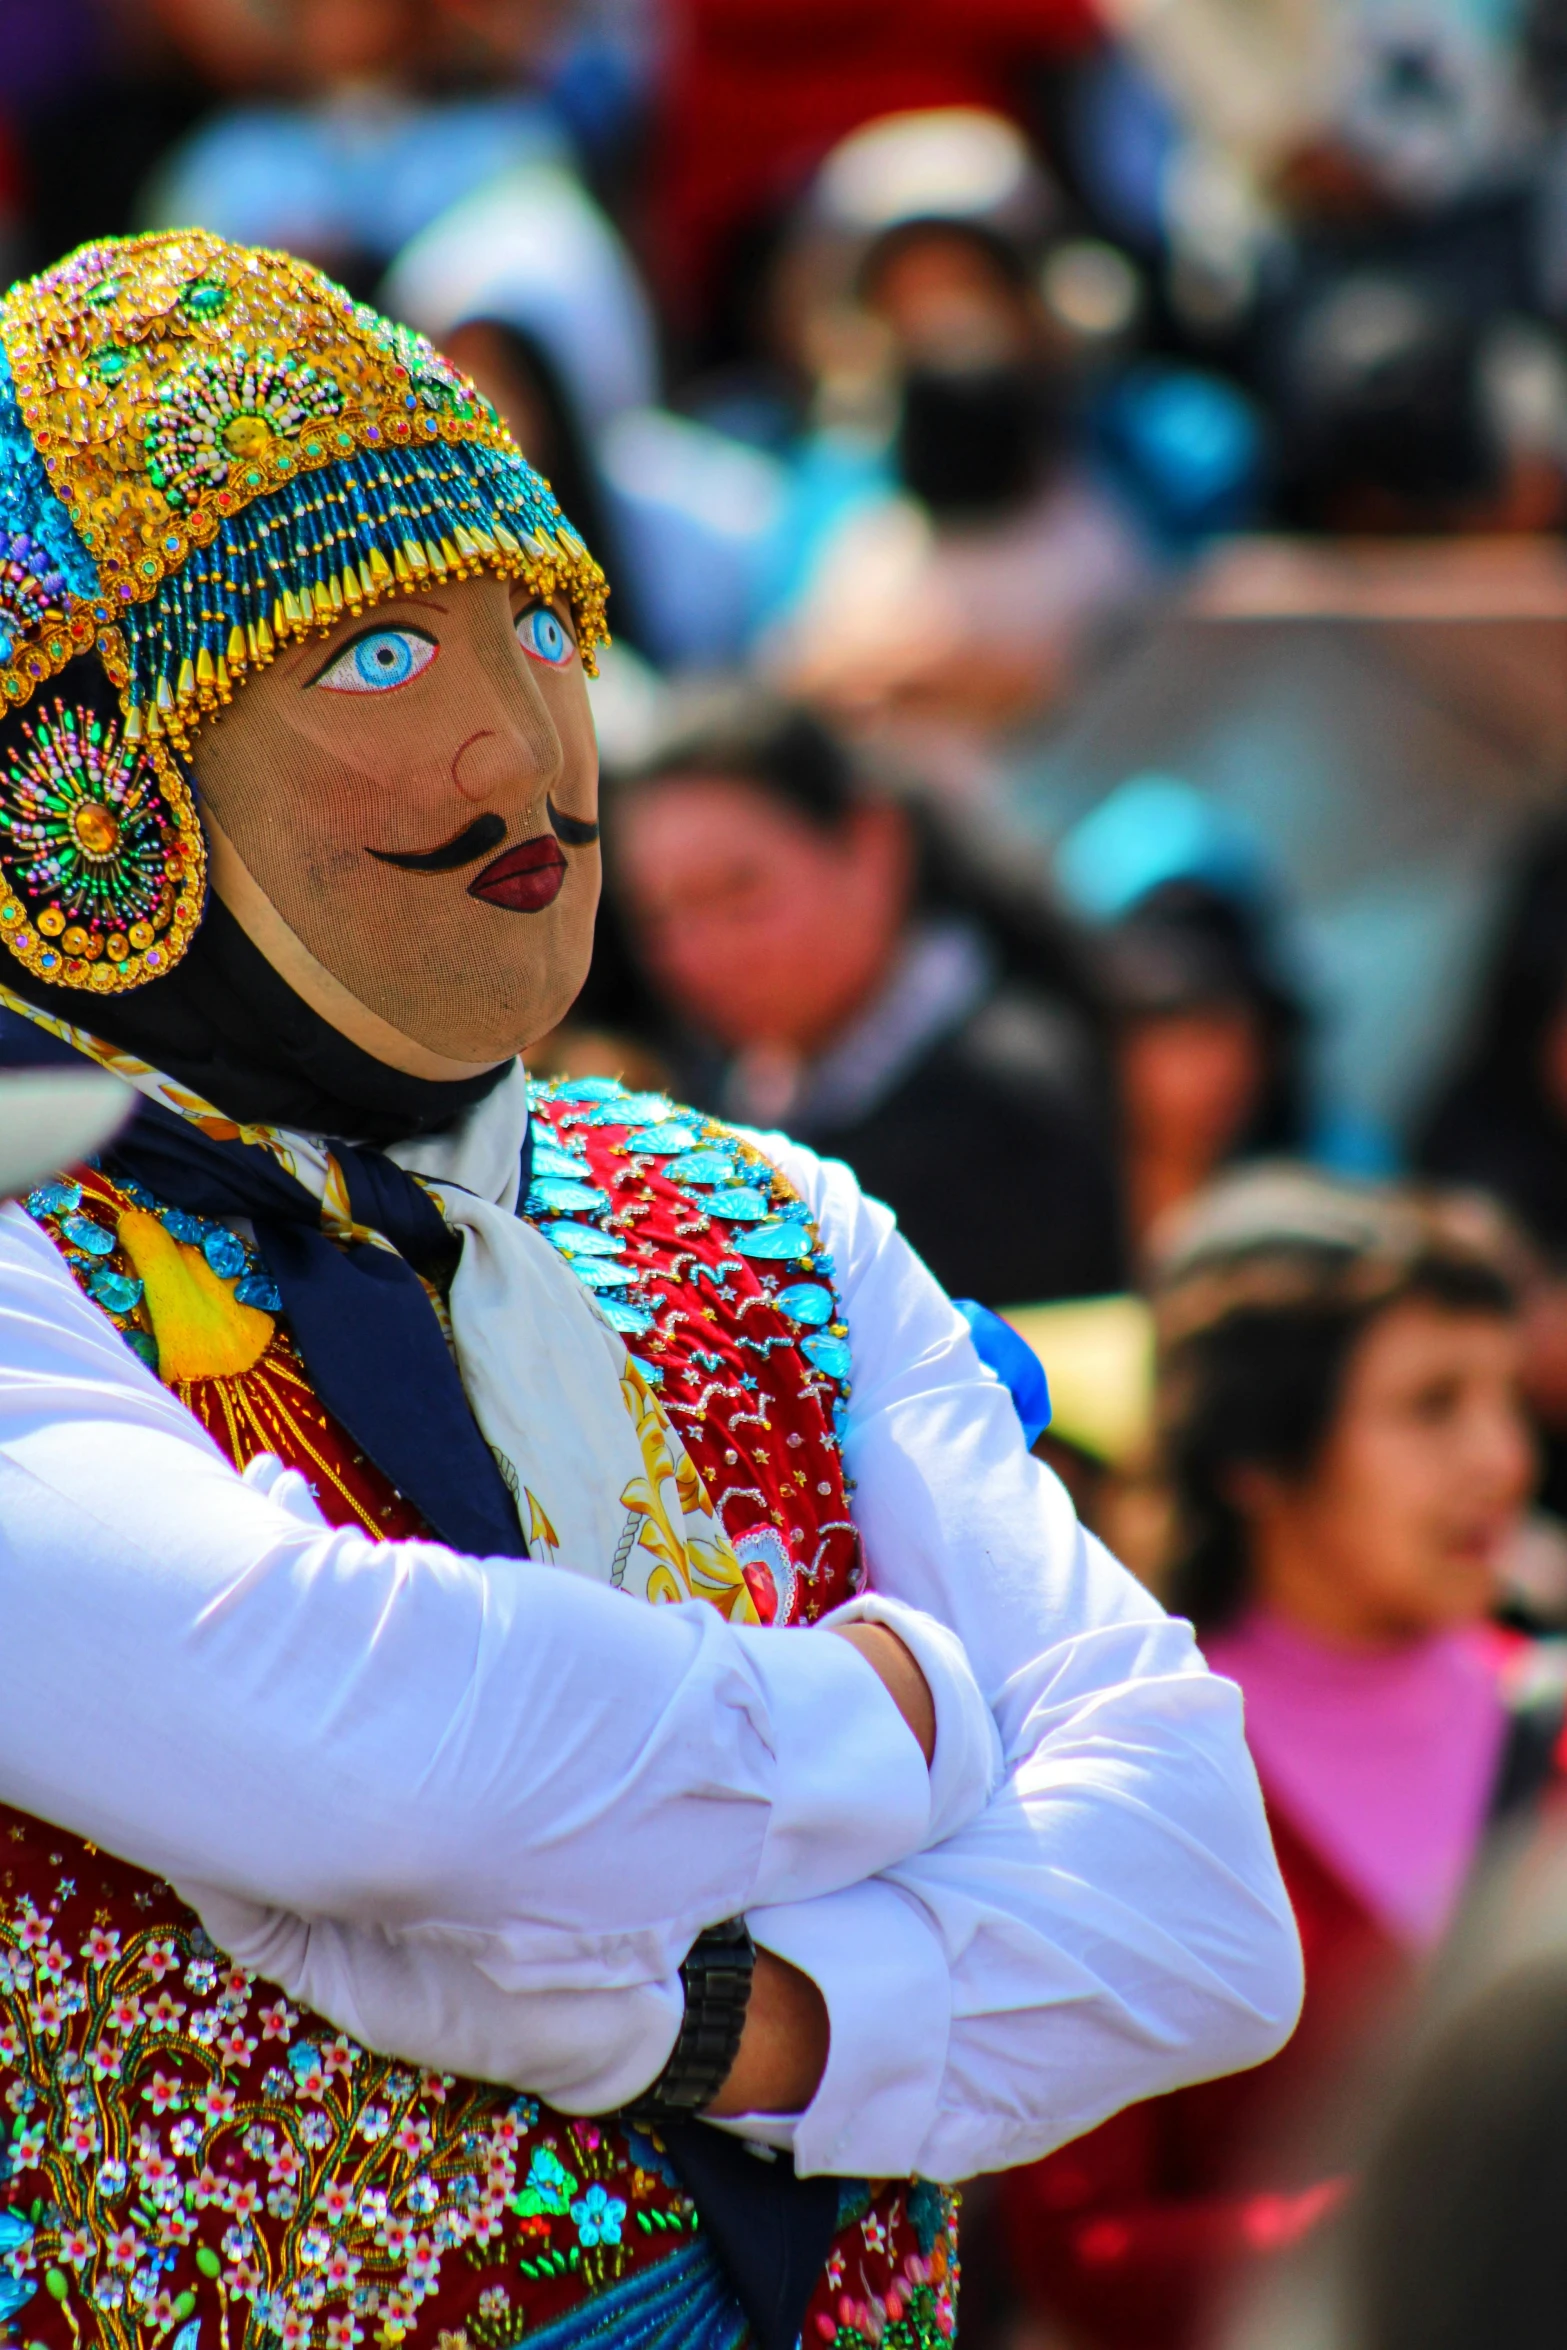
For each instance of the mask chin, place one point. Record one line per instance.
(233, 882)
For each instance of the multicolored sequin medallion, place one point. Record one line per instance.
(102, 861)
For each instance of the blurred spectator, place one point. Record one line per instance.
(1500, 1121)
(1501, 1118)
(527, 286)
(1460, 2243)
(1218, 1022)
(1397, 410)
(1416, 104)
(356, 151)
(973, 578)
(1455, 2240)
(1348, 1461)
(1211, 1029)
(831, 960)
(757, 91)
(1210, 1044)
(1312, 134)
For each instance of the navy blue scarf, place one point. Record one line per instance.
(368, 1336)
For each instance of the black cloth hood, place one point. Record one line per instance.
(227, 1025)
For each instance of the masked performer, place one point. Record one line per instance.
(350, 1401)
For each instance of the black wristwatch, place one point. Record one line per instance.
(717, 1975)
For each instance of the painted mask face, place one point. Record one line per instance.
(402, 815)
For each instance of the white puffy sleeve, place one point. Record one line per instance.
(1113, 1924)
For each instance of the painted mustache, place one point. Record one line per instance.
(575, 832)
(478, 838)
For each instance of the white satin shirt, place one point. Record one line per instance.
(476, 1811)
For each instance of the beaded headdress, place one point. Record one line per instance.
(206, 451)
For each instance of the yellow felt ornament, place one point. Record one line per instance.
(202, 1330)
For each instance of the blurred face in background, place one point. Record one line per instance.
(1191, 1084)
(945, 295)
(1192, 1081)
(1400, 1527)
(760, 926)
(353, 40)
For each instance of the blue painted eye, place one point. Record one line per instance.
(379, 660)
(545, 637)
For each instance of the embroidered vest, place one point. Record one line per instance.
(192, 2159)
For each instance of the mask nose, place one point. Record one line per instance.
(491, 767)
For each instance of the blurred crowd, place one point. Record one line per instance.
(1083, 484)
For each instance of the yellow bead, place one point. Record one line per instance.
(97, 831)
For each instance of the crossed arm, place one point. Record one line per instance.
(478, 1813)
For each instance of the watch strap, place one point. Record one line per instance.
(716, 1975)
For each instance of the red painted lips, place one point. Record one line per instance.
(526, 879)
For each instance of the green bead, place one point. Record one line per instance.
(184, 2305)
(56, 2283)
(207, 2260)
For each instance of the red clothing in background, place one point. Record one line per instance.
(757, 91)
(1130, 2236)
(1382, 1770)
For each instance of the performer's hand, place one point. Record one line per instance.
(893, 1663)
(783, 2049)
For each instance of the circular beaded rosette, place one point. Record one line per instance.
(102, 861)
(232, 409)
